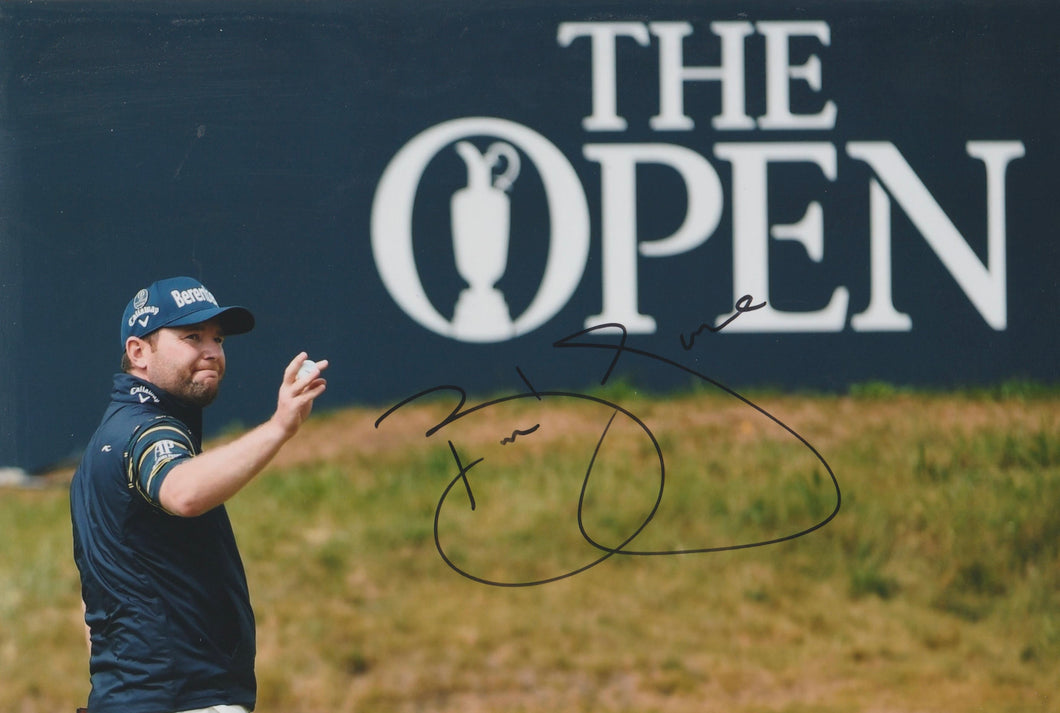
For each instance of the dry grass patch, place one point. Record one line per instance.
(934, 590)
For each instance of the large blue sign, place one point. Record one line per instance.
(805, 196)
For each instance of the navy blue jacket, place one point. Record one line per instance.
(166, 597)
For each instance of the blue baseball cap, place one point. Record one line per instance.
(178, 302)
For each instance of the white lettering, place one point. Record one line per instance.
(164, 450)
(619, 221)
(751, 234)
(779, 73)
(730, 73)
(143, 393)
(602, 36)
(982, 281)
(147, 310)
(197, 294)
(984, 285)
(673, 74)
(881, 316)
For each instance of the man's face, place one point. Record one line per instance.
(188, 362)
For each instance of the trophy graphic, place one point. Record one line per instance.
(480, 218)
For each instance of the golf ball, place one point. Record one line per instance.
(306, 369)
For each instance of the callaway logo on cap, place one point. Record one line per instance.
(178, 302)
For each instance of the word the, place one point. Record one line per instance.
(731, 73)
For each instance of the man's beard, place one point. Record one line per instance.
(198, 393)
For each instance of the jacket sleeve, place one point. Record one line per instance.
(153, 450)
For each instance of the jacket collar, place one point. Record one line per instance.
(129, 389)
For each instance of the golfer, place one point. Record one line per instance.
(167, 609)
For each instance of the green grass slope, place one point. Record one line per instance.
(377, 587)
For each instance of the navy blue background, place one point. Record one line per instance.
(241, 143)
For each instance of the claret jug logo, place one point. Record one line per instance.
(495, 155)
(480, 218)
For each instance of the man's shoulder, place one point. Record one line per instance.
(133, 419)
(132, 449)
(131, 427)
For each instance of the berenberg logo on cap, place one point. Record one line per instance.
(184, 298)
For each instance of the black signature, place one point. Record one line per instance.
(520, 432)
(619, 349)
(742, 305)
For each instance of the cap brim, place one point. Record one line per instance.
(234, 320)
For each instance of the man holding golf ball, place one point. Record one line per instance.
(167, 609)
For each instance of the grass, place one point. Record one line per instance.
(934, 589)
